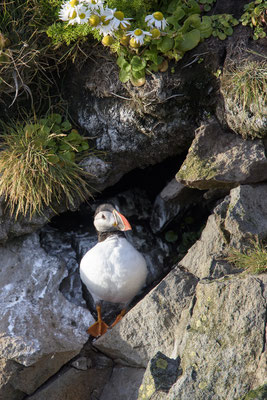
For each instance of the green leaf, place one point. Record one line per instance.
(205, 27)
(55, 118)
(138, 63)
(172, 20)
(189, 41)
(124, 75)
(64, 147)
(221, 35)
(85, 146)
(139, 74)
(165, 44)
(151, 55)
(153, 67)
(120, 61)
(123, 64)
(172, 6)
(68, 156)
(74, 136)
(179, 13)
(53, 158)
(66, 126)
(229, 31)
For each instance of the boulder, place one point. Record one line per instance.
(218, 159)
(140, 335)
(224, 341)
(238, 219)
(39, 330)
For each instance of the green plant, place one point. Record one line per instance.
(222, 25)
(255, 16)
(143, 43)
(253, 260)
(244, 88)
(37, 165)
(24, 46)
(207, 4)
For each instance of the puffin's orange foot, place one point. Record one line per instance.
(98, 328)
(119, 317)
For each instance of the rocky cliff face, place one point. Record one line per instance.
(199, 329)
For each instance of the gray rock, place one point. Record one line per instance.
(241, 217)
(11, 227)
(140, 335)
(39, 330)
(74, 384)
(123, 384)
(225, 338)
(174, 199)
(218, 159)
(136, 127)
(101, 172)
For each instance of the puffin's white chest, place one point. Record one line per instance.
(113, 270)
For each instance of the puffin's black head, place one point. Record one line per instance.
(108, 219)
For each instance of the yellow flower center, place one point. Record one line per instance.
(94, 20)
(104, 21)
(155, 33)
(119, 15)
(158, 16)
(107, 40)
(82, 15)
(74, 15)
(138, 32)
(74, 3)
(93, 2)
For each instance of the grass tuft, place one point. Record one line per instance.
(244, 88)
(34, 174)
(253, 260)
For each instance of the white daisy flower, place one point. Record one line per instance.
(118, 18)
(106, 26)
(138, 35)
(66, 12)
(94, 4)
(81, 15)
(156, 19)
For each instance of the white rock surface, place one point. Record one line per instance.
(37, 322)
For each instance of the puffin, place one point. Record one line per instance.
(113, 270)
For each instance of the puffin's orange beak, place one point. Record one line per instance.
(122, 223)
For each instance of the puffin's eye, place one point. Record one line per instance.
(103, 216)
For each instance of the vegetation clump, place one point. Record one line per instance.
(253, 260)
(144, 35)
(37, 165)
(255, 16)
(244, 88)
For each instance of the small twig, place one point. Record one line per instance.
(195, 59)
(171, 97)
(121, 97)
